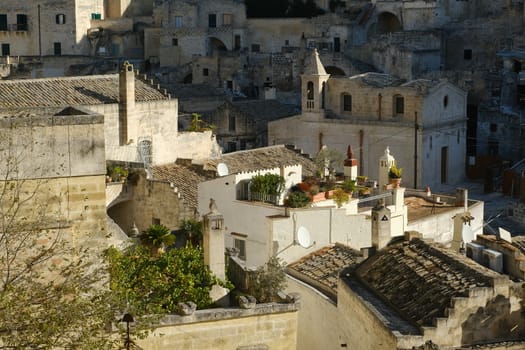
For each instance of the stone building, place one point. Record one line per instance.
(422, 121)
(140, 120)
(59, 154)
(409, 295)
(241, 125)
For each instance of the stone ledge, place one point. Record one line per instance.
(222, 314)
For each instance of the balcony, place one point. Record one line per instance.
(18, 27)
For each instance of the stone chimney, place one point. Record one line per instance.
(381, 226)
(213, 241)
(385, 162)
(126, 106)
(462, 198)
(350, 165)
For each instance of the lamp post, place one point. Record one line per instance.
(128, 319)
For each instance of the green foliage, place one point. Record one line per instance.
(199, 125)
(297, 199)
(340, 196)
(192, 229)
(158, 235)
(349, 185)
(395, 172)
(327, 161)
(117, 172)
(268, 280)
(156, 284)
(267, 184)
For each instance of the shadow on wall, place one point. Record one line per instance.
(494, 322)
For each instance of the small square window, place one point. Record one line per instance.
(155, 221)
(174, 42)
(467, 54)
(205, 72)
(493, 127)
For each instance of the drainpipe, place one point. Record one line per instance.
(416, 126)
(320, 140)
(361, 137)
(39, 34)
(379, 97)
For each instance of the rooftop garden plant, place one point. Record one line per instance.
(267, 184)
(395, 172)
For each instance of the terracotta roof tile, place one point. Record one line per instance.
(185, 179)
(321, 268)
(70, 91)
(419, 280)
(264, 158)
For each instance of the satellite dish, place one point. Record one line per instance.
(222, 169)
(468, 235)
(303, 237)
(505, 235)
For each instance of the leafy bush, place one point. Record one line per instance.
(157, 235)
(268, 184)
(268, 280)
(349, 185)
(192, 229)
(340, 196)
(395, 172)
(297, 199)
(156, 284)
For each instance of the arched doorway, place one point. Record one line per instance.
(387, 23)
(216, 45)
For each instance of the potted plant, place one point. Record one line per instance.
(349, 186)
(340, 196)
(394, 175)
(267, 187)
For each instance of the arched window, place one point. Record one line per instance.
(310, 90)
(60, 18)
(323, 95)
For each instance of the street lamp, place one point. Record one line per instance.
(128, 319)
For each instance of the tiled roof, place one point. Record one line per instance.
(379, 80)
(183, 178)
(321, 268)
(264, 158)
(70, 91)
(182, 91)
(419, 280)
(266, 109)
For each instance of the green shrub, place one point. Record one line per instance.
(268, 184)
(268, 280)
(157, 235)
(297, 199)
(349, 185)
(340, 196)
(395, 172)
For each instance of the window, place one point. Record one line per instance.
(232, 146)
(493, 127)
(286, 42)
(256, 48)
(399, 105)
(227, 19)
(3, 22)
(347, 103)
(60, 18)
(310, 90)
(231, 123)
(57, 48)
(96, 16)
(178, 21)
(493, 148)
(21, 22)
(205, 72)
(467, 54)
(174, 42)
(6, 50)
(212, 20)
(240, 245)
(445, 101)
(237, 40)
(155, 221)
